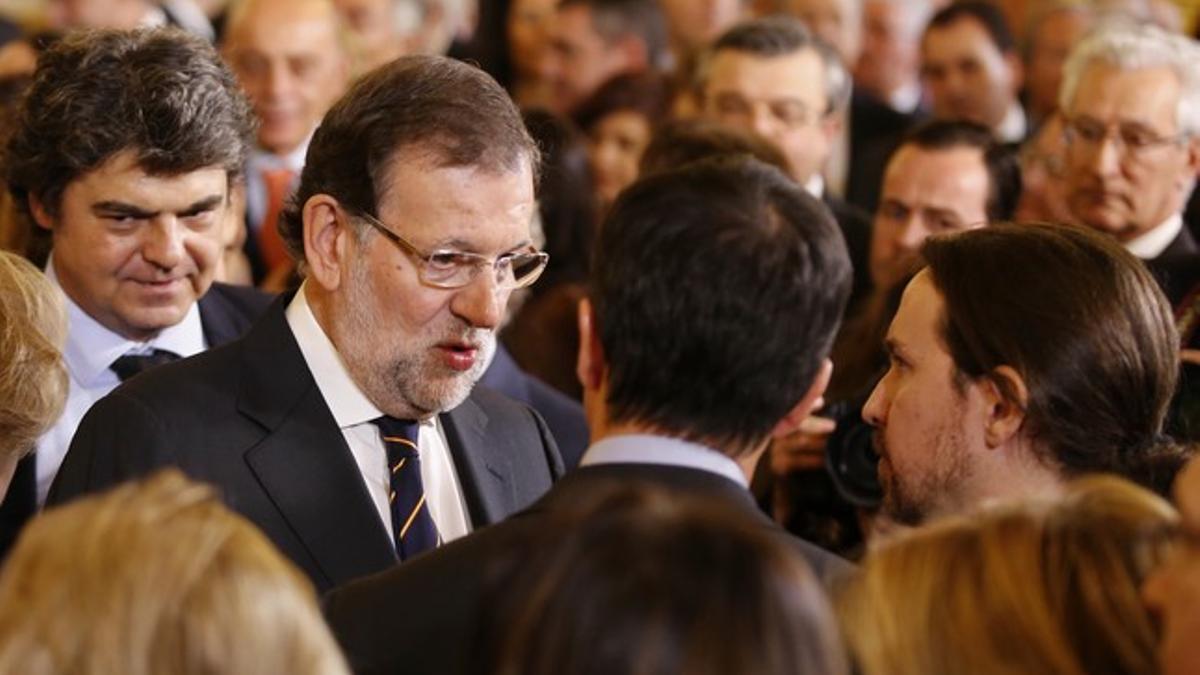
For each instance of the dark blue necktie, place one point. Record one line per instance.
(131, 364)
(412, 525)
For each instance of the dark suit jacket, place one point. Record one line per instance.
(226, 312)
(856, 228)
(875, 130)
(1175, 268)
(249, 418)
(563, 415)
(441, 592)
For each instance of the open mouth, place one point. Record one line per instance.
(458, 356)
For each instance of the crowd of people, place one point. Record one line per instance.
(600, 336)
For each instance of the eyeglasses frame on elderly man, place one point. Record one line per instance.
(1128, 144)
(452, 278)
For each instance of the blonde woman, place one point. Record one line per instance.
(156, 577)
(1031, 588)
(33, 381)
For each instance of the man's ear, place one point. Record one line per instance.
(326, 240)
(1004, 413)
(40, 215)
(813, 399)
(1193, 150)
(590, 364)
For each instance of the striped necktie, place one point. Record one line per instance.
(412, 525)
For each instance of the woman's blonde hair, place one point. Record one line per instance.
(156, 577)
(33, 380)
(1029, 588)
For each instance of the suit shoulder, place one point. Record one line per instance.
(495, 403)
(215, 368)
(246, 300)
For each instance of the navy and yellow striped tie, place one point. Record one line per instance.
(412, 525)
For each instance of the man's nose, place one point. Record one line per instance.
(163, 242)
(481, 303)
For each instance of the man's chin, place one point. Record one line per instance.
(143, 324)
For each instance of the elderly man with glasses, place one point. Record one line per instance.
(346, 424)
(1130, 100)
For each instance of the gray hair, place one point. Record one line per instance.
(1130, 46)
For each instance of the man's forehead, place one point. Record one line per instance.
(265, 24)
(797, 72)
(1157, 87)
(949, 171)
(123, 178)
(965, 31)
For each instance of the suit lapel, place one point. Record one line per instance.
(217, 318)
(482, 469)
(303, 462)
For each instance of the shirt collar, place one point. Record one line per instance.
(1150, 245)
(91, 347)
(816, 186)
(349, 405)
(260, 160)
(1013, 127)
(650, 449)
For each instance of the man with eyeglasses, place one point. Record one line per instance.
(346, 424)
(1131, 107)
(686, 377)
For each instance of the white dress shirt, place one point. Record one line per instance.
(354, 413)
(650, 449)
(90, 351)
(259, 161)
(1014, 126)
(1150, 245)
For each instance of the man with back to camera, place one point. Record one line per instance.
(123, 153)
(1021, 356)
(345, 423)
(716, 291)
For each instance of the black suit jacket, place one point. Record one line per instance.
(249, 418)
(563, 414)
(1176, 267)
(875, 131)
(226, 312)
(441, 592)
(856, 228)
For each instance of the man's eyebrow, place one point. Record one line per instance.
(207, 204)
(463, 246)
(122, 209)
(113, 207)
(894, 348)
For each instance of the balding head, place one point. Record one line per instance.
(290, 58)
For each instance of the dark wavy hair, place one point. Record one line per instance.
(162, 94)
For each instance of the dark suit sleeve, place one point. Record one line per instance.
(119, 438)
